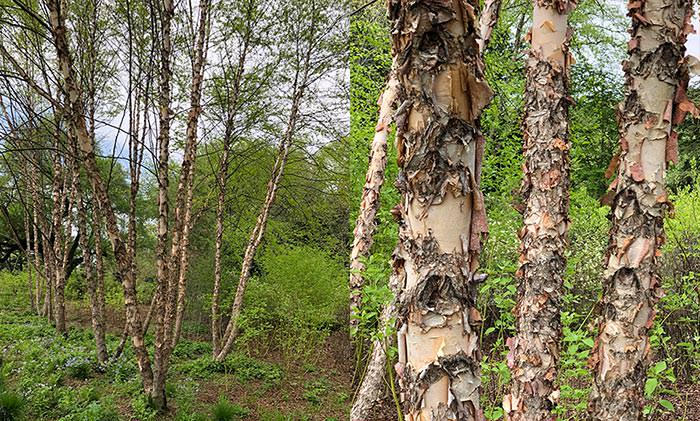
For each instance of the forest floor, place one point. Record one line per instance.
(58, 377)
(258, 384)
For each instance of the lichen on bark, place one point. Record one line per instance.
(441, 93)
(656, 77)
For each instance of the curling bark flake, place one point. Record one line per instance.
(369, 204)
(655, 100)
(534, 352)
(441, 94)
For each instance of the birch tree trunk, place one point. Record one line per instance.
(655, 100)
(369, 204)
(487, 22)
(371, 388)
(534, 352)
(258, 232)
(74, 108)
(30, 261)
(57, 236)
(221, 182)
(186, 185)
(96, 317)
(166, 292)
(97, 291)
(442, 93)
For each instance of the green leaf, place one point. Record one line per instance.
(666, 404)
(659, 367)
(650, 386)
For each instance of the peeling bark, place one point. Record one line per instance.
(656, 77)
(165, 312)
(487, 22)
(534, 352)
(186, 184)
(369, 204)
(443, 221)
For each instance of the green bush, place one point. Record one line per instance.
(297, 301)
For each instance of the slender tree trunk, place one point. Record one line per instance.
(183, 263)
(40, 277)
(442, 93)
(259, 230)
(98, 302)
(218, 245)
(186, 185)
(58, 197)
(93, 283)
(371, 389)
(534, 353)
(221, 181)
(655, 100)
(75, 109)
(30, 261)
(369, 204)
(166, 291)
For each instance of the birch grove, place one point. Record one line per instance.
(415, 210)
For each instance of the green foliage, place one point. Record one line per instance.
(315, 391)
(297, 301)
(224, 410)
(242, 367)
(11, 405)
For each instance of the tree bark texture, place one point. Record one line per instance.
(487, 22)
(165, 312)
(442, 217)
(534, 352)
(186, 184)
(655, 100)
(369, 204)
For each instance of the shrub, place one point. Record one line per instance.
(224, 410)
(297, 301)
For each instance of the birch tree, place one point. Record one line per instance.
(534, 354)
(655, 101)
(441, 95)
(309, 53)
(235, 93)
